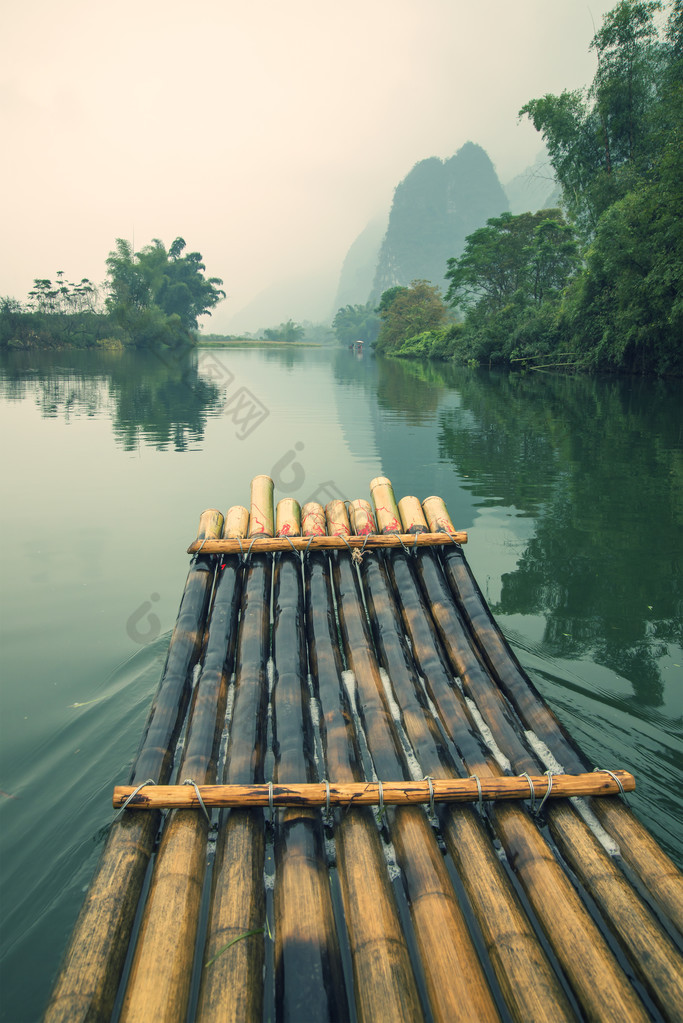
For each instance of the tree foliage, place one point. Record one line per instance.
(532, 254)
(158, 295)
(287, 332)
(356, 323)
(600, 285)
(406, 312)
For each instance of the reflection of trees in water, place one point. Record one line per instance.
(598, 463)
(413, 390)
(159, 400)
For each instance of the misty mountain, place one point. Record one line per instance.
(535, 188)
(436, 206)
(358, 269)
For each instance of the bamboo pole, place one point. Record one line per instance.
(384, 985)
(525, 978)
(313, 519)
(600, 986)
(85, 988)
(261, 512)
(386, 510)
(660, 876)
(288, 517)
(309, 981)
(337, 520)
(233, 960)
(362, 519)
(455, 981)
(159, 984)
(264, 544)
(394, 793)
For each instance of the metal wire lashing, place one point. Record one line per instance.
(150, 781)
(532, 806)
(547, 791)
(604, 770)
(481, 798)
(189, 781)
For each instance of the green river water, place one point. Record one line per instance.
(571, 490)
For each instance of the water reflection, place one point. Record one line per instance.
(160, 400)
(597, 463)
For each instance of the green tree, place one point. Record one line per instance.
(406, 312)
(532, 254)
(157, 296)
(356, 323)
(287, 332)
(598, 138)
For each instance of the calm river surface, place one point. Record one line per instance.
(571, 490)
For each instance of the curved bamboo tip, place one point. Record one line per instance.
(337, 519)
(379, 481)
(236, 522)
(210, 525)
(362, 519)
(288, 517)
(386, 509)
(261, 518)
(437, 515)
(412, 517)
(313, 519)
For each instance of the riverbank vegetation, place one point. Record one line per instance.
(152, 298)
(596, 284)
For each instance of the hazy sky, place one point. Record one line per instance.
(266, 133)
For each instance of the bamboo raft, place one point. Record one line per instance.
(407, 832)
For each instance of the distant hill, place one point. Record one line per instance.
(358, 269)
(435, 207)
(535, 188)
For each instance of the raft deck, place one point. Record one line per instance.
(340, 671)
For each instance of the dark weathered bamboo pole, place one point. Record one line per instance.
(86, 985)
(594, 976)
(384, 985)
(309, 980)
(525, 977)
(159, 984)
(455, 981)
(655, 869)
(232, 977)
(650, 951)
(601, 986)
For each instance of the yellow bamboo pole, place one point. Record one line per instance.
(362, 519)
(86, 985)
(236, 522)
(288, 517)
(412, 516)
(313, 519)
(337, 520)
(443, 790)
(386, 509)
(159, 984)
(261, 515)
